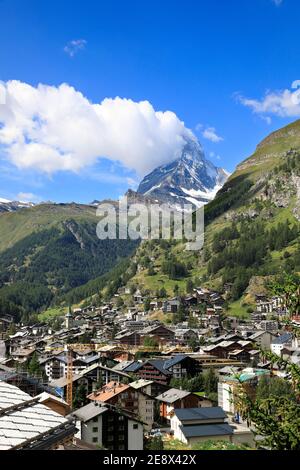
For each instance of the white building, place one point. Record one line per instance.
(281, 342)
(107, 427)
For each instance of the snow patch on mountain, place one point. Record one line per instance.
(11, 206)
(190, 179)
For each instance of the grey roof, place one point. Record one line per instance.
(89, 411)
(23, 418)
(175, 360)
(285, 338)
(152, 328)
(122, 365)
(140, 383)
(203, 430)
(160, 365)
(172, 395)
(205, 413)
(90, 359)
(133, 367)
(63, 381)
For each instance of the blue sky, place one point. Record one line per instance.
(223, 67)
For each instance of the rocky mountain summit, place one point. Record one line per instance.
(190, 179)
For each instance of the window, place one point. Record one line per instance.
(95, 439)
(95, 420)
(121, 437)
(110, 438)
(121, 418)
(95, 429)
(135, 426)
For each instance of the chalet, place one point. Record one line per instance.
(89, 378)
(161, 332)
(190, 301)
(182, 366)
(117, 394)
(130, 338)
(225, 347)
(263, 339)
(174, 398)
(152, 369)
(171, 306)
(240, 355)
(222, 349)
(281, 342)
(56, 366)
(22, 354)
(203, 294)
(149, 387)
(137, 297)
(106, 426)
(185, 334)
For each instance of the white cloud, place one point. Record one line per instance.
(49, 129)
(277, 2)
(282, 103)
(28, 197)
(75, 46)
(210, 133)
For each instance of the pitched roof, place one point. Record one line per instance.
(205, 413)
(63, 381)
(26, 423)
(140, 383)
(108, 391)
(133, 367)
(285, 338)
(159, 365)
(174, 360)
(202, 430)
(44, 396)
(172, 395)
(122, 365)
(89, 411)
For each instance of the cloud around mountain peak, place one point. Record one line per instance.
(50, 129)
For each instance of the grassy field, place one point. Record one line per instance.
(17, 225)
(52, 313)
(237, 309)
(173, 444)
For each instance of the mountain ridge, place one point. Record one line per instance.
(189, 179)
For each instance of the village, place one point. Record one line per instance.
(112, 377)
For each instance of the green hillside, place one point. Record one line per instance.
(251, 230)
(50, 255)
(50, 250)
